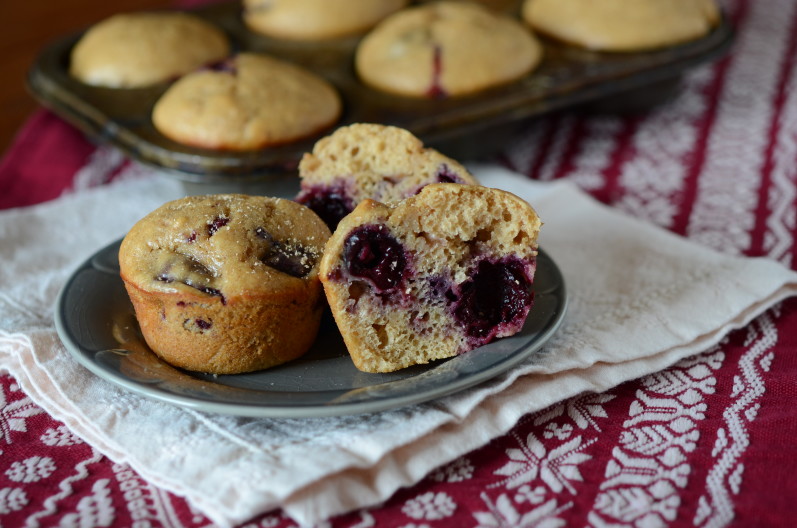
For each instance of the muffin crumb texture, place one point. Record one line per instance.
(433, 276)
(370, 161)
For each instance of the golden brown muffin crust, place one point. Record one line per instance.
(226, 283)
(445, 49)
(316, 19)
(254, 102)
(134, 50)
(622, 25)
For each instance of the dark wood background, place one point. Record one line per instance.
(28, 26)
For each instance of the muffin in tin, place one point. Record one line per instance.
(314, 20)
(622, 25)
(248, 102)
(135, 50)
(444, 49)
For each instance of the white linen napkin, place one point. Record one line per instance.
(640, 300)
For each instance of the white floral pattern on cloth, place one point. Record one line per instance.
(14, 413)
(12, 499)
(430, 506)
(557, 467)
(650, 464)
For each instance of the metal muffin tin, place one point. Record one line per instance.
(462, 127)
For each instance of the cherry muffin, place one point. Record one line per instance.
(134, 50)
(226, 283)
(379, 162)
(430, 277)
(446, 49)
(622, 25)
(248, 102)
(316, 19)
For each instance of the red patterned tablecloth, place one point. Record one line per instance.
(711, 441)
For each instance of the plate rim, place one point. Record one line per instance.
(301, 410)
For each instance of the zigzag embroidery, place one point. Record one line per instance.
(94, 510)
(724, 479)
(65, 487)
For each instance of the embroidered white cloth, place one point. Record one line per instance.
(640, 300)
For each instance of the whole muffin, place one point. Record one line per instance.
(134, 50)
(226, 283)
(249, 102)
(430, 277)
(622, 25)
(316, 19)
(445, 49)
(383, 163)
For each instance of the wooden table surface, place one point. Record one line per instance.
(25, 28)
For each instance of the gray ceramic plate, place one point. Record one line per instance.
(95, 320)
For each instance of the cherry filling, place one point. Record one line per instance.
(372, 253)
(225, 66)
(206, 289)
(436, 90)
(168, 279)
(292, 259)
(331, 204)
(497, 295)
(216, 224)
(446, 175)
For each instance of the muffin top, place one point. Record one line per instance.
(135, 50)
(224, 245)
(249, 102)
(316, 19)
(373, 153)
(445, 49)
(622, 25)
(365, 160)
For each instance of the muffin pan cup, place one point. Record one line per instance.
(464, 128)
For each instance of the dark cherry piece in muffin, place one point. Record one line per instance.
(226, 283)
(432, 276)
(369, 161)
